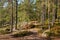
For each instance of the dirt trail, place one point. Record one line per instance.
(30, 37)
(33, 36)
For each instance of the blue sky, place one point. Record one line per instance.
(5, 4)
(19, 1)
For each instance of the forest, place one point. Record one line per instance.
(29, 19)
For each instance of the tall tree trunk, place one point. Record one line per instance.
(43, 14)
(12, 17)
(48, 10)
(58, 11)
(56, 3)
(16, 13)
(54, 10)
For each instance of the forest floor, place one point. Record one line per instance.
(30, 37)
(33, 36)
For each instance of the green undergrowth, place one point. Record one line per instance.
(4, 30)
(22, 34)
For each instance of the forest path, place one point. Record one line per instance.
(33, 36)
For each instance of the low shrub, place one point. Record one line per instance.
(21, 34)
(32, 26)
(5, 31)
(58, 24)
(53, 33)
(44, 28)
(57, 33)
(40, 31)
(50, 33)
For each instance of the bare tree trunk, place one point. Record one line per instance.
(43, 14)
(16, 13)
(53, 19)
(48, 9)
(54, 10)
(12, 17)
(58, 11)
(56, 3)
